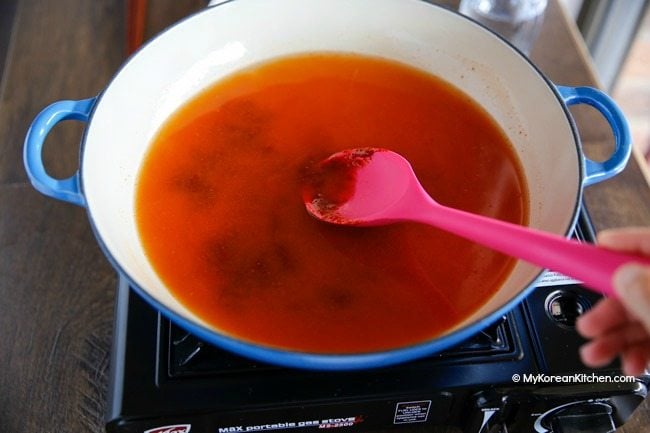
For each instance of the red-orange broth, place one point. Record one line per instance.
(220, 213)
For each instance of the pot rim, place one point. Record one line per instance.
(334, 362)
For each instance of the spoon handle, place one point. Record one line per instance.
(590, 264)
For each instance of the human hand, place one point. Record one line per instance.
(621, 326)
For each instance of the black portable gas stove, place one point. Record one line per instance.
(164, 380)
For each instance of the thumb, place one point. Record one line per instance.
(632, 283)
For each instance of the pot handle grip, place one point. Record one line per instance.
(599, 171)
(61, 189)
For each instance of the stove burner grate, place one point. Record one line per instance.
(189, 356)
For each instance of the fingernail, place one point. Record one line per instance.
(584, 351)
(632, 283)
(628, 280)
(587, 355)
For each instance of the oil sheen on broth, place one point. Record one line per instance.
(220, 214)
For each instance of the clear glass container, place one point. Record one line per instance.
(518, 21)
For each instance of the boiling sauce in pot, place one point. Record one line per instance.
(220, 213)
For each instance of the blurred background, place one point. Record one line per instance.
(617, 34)
(632, 89)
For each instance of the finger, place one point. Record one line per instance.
(608, 314)
(605, 348)
(632, 239)
(595, 355)
(632, 283)
(635, 359)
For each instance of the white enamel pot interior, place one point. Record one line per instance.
(218, 41)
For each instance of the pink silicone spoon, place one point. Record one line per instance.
(369, 187)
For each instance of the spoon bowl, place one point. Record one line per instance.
(346, 191)
(372, 186)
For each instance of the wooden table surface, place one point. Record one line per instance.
(56, 287)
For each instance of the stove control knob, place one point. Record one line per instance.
(578, 417)
(564, 307)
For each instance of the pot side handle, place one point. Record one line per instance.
(61, 189)
(599, 171)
